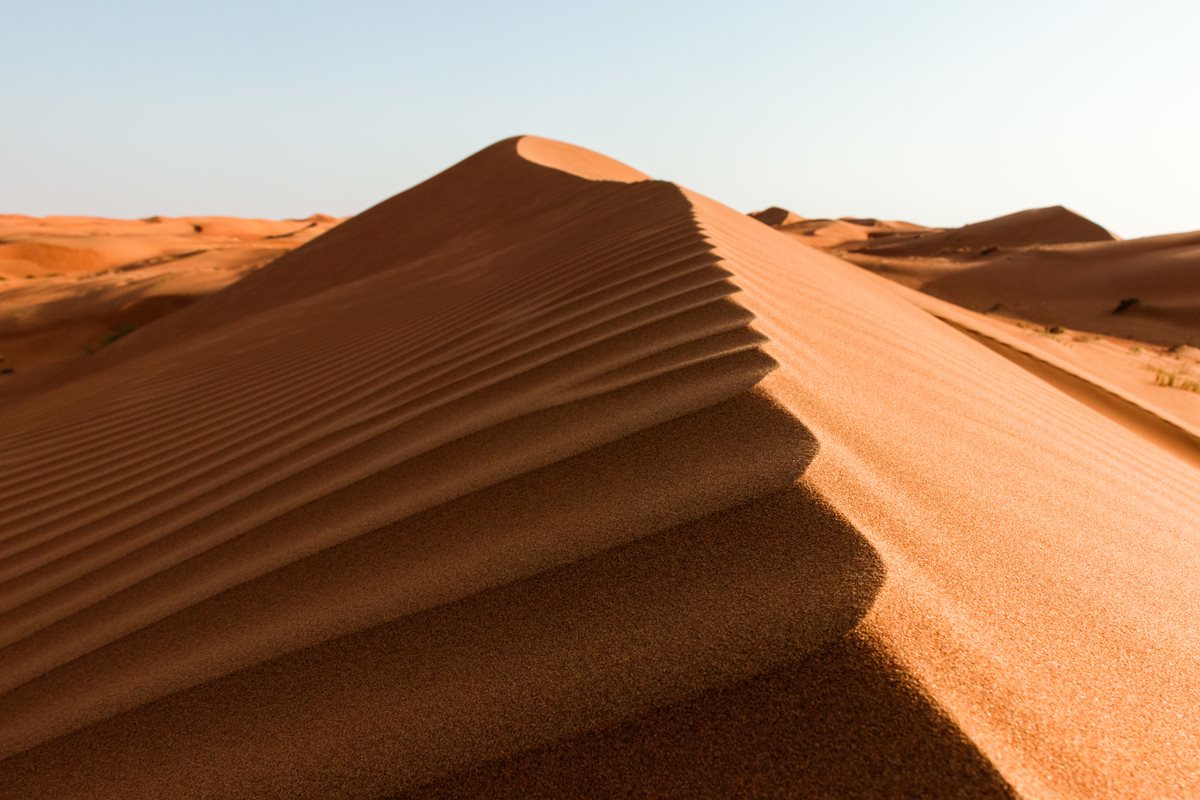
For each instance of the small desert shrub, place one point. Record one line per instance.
(1176, 380)
(1125, 304)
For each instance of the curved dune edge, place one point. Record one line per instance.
(576, 161)
(608, 472)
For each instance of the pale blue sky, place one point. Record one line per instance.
(936, 111)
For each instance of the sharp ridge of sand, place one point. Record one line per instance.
(121, 543)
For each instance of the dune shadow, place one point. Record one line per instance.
(462, 673)
(843, 722)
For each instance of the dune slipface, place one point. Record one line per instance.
(544, 478)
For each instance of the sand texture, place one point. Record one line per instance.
(71, 286)
(1117, 313)
(547, 479)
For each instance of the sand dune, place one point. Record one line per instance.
(1037, 226)
(70, 286)
(1082, 286)
(776, 216)
(544, 478)
(827, 234)
(1053, 267)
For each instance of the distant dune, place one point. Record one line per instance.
(828, 233)
(1050, 266)
(776, 216)
(1083, 286)
(70, 286)
(1038, 226)
(547, 479)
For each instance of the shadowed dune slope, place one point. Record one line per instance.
(544, 472)
(406, 434)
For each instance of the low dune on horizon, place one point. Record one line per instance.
(545, 478)
(70, 286)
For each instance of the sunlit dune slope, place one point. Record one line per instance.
(546, 479)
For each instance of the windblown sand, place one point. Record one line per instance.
(544, 478)
(70, 286)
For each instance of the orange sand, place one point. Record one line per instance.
(547, 479)
(1062, 302)
(1053, 267)
(71, 285)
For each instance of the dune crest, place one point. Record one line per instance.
(576, 161)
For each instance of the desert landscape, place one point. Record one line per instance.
(546, 478)
(70, 286)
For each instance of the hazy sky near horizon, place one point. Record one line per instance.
(937, 111)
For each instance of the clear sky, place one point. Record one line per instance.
(940, 112)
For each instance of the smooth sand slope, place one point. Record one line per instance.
(1120, 313)
(547, 479)
(69, 286)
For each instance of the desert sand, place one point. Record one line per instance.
(1122, 315)
(69, 286)
(547, 479)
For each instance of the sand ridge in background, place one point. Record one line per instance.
(1054, 267)
(546, 477)
(70, 286)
